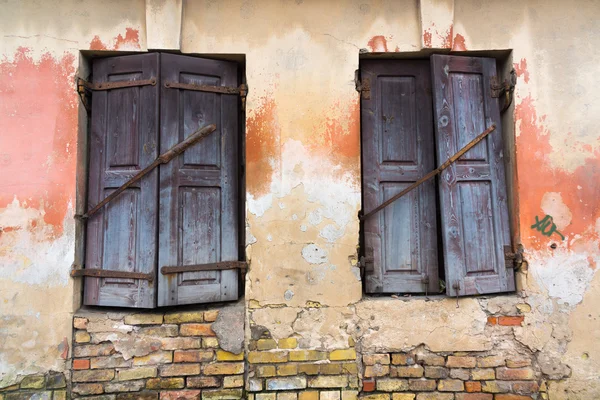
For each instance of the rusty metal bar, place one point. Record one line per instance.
(223, 265)
(82, 83)
(241, 90)
(433, 173)
(104, 273)
(162, 159)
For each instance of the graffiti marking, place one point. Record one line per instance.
(546, 226)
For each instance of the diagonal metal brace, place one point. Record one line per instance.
(433, 173)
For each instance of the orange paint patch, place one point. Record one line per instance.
(521, 69)
(445, 38)
(427, 38)
(38, 115)
(263, 149)
(579, 189)
(459, 43)
(378, 44)
(131, 41)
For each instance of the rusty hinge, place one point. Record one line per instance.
(506, 88)
(363, 86)
(77, 271)
(512, 259)
(367, 262)
(223, 265)
(241, 90)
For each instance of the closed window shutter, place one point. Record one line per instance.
(475, 224)
(397, 150)
(124, 140)
(198, 189)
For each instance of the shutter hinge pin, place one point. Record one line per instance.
(513, 259)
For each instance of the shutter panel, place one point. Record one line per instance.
(124, 140)
(198, 189)
(397, 150)
(475, 225)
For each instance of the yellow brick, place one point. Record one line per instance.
(182, 317)
(224, 369)
(266, 344)
(223, 355)
(341, 355)
(211, 315)
(403, 396)
(349, 368)
(233, 381)
(82, 337)
(307, 355)
(330, 369)
(287, 369)
(210, 342)
(266, 357)
(263, 371)
(351, 341)
(349, 394)
(308, 395)
(308, 369)
(289, 343)
(144, 319)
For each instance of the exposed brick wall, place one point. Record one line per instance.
(423, 375)
(50, 386)
(170, 356)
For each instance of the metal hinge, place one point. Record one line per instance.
(506, 88)
(241, 90)
(367, 262)
(363, 86)
(512, 259)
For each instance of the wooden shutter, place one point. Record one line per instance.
(199, 189)
(397, 150)
(124, 139)
(475, 225)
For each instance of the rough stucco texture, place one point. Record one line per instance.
(303, 181)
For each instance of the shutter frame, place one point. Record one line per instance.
(112, 162)
(388, 272)
(202, 184)
(473, 195)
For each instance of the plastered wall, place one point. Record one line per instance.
(303, 168)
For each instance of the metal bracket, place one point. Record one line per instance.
(512, 259)
(363, 86)
(241, 90)
(77, 271)
(97, 86)
(223, 265)
(506, 88)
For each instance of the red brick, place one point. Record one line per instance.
(473, 387)
(81, 363)
(473, 396)
(525, 387)
(492, 320)
(196, 330)
(461, 362)
(511, 397)
(180, 395)
(511, 321)
(192, 356)
(514, 374)
(369, 385)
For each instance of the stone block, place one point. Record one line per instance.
(289, 343)
(82, 337)
(450, 385)
(372, 371)
(196, 330)
(184, 356)
(199, 382)
(372, 359)
(421, 385)
(436, 372)
(342, 355)
(160, 331)
(412, 371)
(267, 357)
(514, 374)
(159, 357)
(93, 375)
(288, 383)
(403, 359)
(233, 381)
(328, 395)
(461, 362)
(165, 383)
(223, 355)
(179, 369)
(180, 343)
(144, 319)
(490, 362)
(229, 368)
(307, 355)
(483, 374)
(183, 317)
(328, 381)
(392, 385)
(86, 389)
(136, 373)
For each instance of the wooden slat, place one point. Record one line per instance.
(397, 150)
(475, 225)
